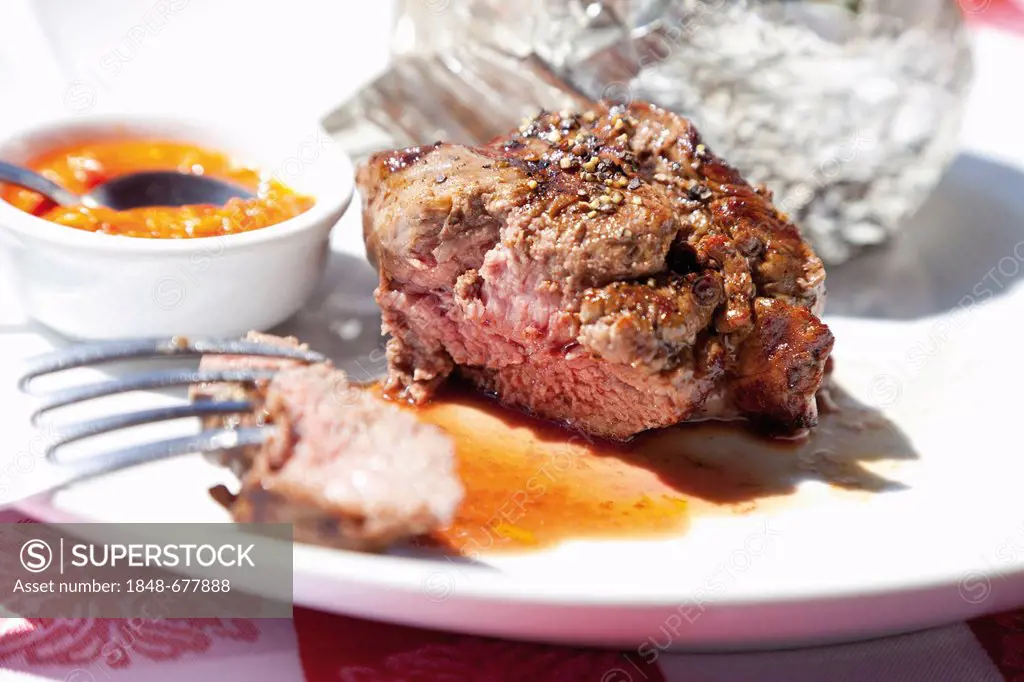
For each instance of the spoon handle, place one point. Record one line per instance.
(22, 177)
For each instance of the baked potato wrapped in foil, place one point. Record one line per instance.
(848, 110)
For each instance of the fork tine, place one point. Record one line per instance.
(145, 381)
(205, 441)
(126, 349)
(53, 476)
(79, 430)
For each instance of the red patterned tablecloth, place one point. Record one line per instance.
(320, 647)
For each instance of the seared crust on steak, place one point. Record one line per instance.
(604, 269)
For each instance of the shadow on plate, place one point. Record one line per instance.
(965, 245)
(728, 464)
(342, 320)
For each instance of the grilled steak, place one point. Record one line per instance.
(346, 468)
(604, 269)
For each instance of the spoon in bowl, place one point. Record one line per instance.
(135, 190)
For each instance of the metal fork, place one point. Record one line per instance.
(57, 473)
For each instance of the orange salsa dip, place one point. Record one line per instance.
(82, 167)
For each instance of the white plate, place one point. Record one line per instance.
(926, 329)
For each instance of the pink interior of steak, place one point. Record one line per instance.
(369, 465)
(603, 269)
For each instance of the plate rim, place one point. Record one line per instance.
(407, 574)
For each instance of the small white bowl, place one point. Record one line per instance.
(95, 286)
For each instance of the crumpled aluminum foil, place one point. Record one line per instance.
(847, 109)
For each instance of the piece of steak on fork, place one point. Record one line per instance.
(344, 466)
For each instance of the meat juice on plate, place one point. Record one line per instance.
(530, 483)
